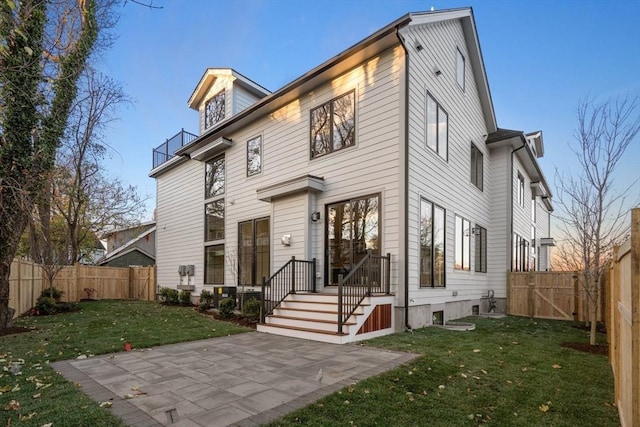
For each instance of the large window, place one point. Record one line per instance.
(253, 251)
(214, 220)
(520, 189)
(480, 234)
(437, 127)
(214, 110)
(520, 254)
(254, 156)
(214, 265)
(432, 238)
(333, 125)
(353, 228)
(460, 68)
(214, 178)
(477, 167)
(463, 244)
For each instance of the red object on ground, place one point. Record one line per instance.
(127, 346)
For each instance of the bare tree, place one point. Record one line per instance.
(593, 208)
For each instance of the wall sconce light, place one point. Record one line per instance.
(286, 240)
(315, 216)
(475, 231)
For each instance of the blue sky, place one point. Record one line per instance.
(542, 58)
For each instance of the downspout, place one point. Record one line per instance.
(406, 181)
(511, 219)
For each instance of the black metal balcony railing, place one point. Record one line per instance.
(167, 149)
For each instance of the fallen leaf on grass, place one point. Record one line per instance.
(106, 404)
(12, 406)
(556, 366)
(477, 350)
(36, 396)
(543, 407)
(463, 375)
(441, 387)
(483, 371)
(26, 417)
(47, 425)
(525, 369)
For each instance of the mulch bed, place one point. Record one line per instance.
(235, 319)
(587, 348)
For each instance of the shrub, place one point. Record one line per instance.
(45, 305)
(226, 306)
(52, 293)
(206, 300)
(169, 296)
(65, 307)
(185, 297)
(251, 308)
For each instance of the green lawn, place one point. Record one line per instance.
(98, 328)
(507, 372)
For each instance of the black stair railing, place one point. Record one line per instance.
(295, 276)
(371, 275)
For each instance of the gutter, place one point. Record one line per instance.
(407, 326)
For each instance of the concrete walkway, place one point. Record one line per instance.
(244, 380)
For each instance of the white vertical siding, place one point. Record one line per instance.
(499, 232)
(446, 183)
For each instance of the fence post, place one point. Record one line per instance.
(532, 305)
(635, 315)
(576, 296)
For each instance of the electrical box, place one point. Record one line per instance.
(182, 270)
(191, 270)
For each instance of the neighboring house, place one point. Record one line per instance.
(391, 147)
(93, 251)
(130, 246)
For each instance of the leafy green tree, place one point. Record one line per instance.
(44, 47)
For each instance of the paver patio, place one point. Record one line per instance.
(245, 380)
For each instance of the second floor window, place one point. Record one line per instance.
(214, 110)
(333, 125)
(477, 168)
(437, 127)
(214, 178)
(460, 68)
(254, 156)
(520, 189)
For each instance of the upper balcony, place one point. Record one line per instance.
(165, 151)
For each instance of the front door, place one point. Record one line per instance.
(253, 251)
(353, 227)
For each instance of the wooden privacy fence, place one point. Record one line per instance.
(80, 281)
(623, 324)
(549, 295)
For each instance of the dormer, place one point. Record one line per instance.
(222, 93)
(534, 139)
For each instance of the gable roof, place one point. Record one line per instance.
(212, 74)
(377, 42)
(128, 247)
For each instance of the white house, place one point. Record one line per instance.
(382, 171)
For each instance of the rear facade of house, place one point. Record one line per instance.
(382, 171)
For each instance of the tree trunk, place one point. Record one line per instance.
(593, 312)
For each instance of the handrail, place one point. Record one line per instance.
(167, 149)
(294, 276)
(371, 275)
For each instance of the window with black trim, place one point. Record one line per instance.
(254, 156)
(214, 110)
(460, 65)
(333, 125)
(477, 167)
(214, 178)
(520, 256)
(462, 244)
(520, 189)
(437, 127)
(432, 244)
(480, 235)
(214, 220)
(214, 265)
